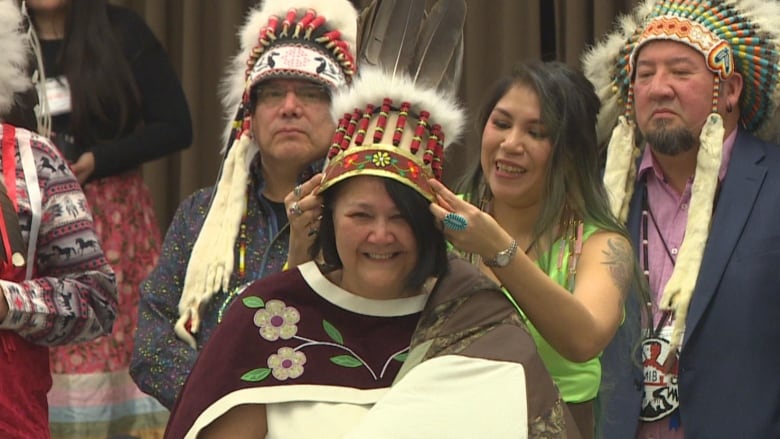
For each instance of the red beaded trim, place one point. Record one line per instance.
(400, 124)
(352, 125)
(338, 136)
(422, 125)
(353, 129)
(317, 22)
(363, 125)
(430, 146)
(288, 21)
(381, 123)
(305, 20)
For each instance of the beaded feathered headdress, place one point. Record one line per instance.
(400, 114)
(733, 36)
(298, 39)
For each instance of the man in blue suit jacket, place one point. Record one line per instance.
(702, 202)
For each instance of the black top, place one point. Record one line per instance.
(166, 126)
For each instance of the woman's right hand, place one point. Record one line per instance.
(480, 233)
(304, 211)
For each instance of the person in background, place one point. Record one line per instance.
(277, 94)
(54, 289)
(111, 101)
(698, 81)
(540, 223)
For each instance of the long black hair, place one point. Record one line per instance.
(103, 89)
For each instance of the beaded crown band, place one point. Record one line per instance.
(401, 113)
(733, 36)
(297, 39)
(392, 128)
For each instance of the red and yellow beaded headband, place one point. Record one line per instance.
(392, 128)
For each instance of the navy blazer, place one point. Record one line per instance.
(729, 383)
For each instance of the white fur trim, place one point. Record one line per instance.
(212, 259)
(621, 159)
(679, 289)
(14, 47)
(373, 86)
(594, 62)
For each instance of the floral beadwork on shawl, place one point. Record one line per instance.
(275, 320)
(551, 425)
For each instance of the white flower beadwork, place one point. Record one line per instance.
(286, 363)
(277, 320)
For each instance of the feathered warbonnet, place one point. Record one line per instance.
(14, 47)
(297, 39)
(400, 114)
(733, 36)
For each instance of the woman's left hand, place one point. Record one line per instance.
(84, 167)
(465, 226)
(304, 211)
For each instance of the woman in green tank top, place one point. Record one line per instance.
(538, 222)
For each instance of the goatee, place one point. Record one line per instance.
(670, 141)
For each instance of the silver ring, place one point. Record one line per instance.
(298, 191)
(295, 209)
(455, 222)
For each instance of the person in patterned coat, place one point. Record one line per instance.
(56, 286)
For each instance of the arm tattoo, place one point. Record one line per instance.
(619, 258)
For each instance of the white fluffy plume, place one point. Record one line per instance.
(14, 47)
(373, 85)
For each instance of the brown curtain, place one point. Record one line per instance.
(200, 37)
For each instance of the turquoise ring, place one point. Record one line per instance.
(455, 222)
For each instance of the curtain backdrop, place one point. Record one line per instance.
(200, 37)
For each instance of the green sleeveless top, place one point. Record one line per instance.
(577, 382)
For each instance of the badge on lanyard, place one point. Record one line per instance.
(57, 95)
(660, 397)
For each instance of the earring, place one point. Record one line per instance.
(729, 107)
